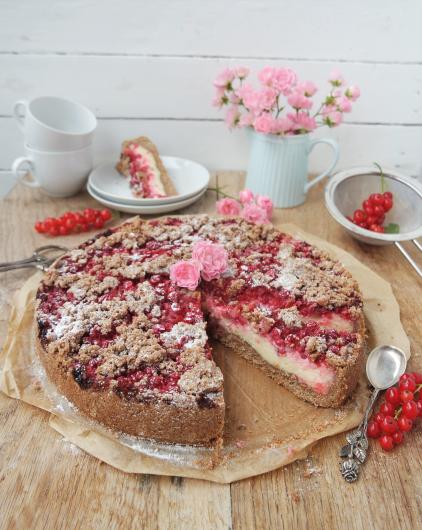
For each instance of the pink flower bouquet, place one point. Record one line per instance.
(282, 104)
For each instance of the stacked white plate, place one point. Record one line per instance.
(109, 187)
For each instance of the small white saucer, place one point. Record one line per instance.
(189, 178)
(144, 209)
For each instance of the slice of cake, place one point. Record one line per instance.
(141, 163)
(130, 349)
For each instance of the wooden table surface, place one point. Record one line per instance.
(46, 482)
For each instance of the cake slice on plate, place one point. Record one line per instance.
(141, 163)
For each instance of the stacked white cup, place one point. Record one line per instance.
(58, 136)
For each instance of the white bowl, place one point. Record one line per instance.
(142, 209)
(346, 191)
(189, 178)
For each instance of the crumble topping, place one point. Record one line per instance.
(110, 314)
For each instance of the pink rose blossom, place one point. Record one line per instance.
(186, 273)
(266, 98)
(246, 196)
(266, 75)
(265, 203)
(344, 104)
(249, 97)
(228, 206)
(353, 93)
(303, 122)
(241, 72)
(232, 116)
(298, 101)
(224, 78)
(333, 119)
(218, 100)
(246, 120)
(213, 258)
(335, 78)
(264, 123)
(282, 125)
(283, 80)
(255, 214)
(306, 88)
(234, 98)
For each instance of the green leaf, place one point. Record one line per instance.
(392, 228)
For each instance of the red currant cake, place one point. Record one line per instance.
(130, 348)
(141, 163)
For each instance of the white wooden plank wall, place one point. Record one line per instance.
(147, 68)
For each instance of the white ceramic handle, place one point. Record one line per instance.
(334, 146)
(17, 167)
(21, 104)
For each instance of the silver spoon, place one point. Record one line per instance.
(384, 367)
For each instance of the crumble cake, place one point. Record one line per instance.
(141, 163)
(130, 349)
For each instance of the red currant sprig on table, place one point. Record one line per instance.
(398, 413)
(73, 222)
(372, 214)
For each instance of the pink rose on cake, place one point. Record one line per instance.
(212, 257)
(186, 273)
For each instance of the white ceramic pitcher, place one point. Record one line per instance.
(278, 167)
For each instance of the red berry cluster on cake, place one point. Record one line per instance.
(130, 348)
(141, 163)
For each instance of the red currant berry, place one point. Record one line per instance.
(373, 429)
(63, 231)
(404, 376)
(386, 442)
(378, 210)
(405, 424)
(84, 227)
(70, 223)
(387, 195)
(419, 407)
(408, 384)
(388, 204)
(105, 214)
(368, 207)
(377, 228)
(378, 199)
(363, 224)
(379, 418)
(371, 220)
(48, 223)
(387, 409)
(80, 218)
(393, 395)
(406, 395)
(99, 222)
(39, 227)
(89, 215)
(359, 216)
(389, 425)
(398, 438)
(54, 231)
(410, 410)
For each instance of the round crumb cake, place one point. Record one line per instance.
(130, 349)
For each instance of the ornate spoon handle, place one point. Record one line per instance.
(357, 445)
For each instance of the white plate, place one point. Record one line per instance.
(146, 210)
(189, 178)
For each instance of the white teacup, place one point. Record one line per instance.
(55, 124)
(59, 174)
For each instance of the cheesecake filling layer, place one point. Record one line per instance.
(154, 187)
(319, 377)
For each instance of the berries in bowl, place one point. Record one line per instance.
(376, 207)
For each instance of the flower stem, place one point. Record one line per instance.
(383, 185)
(219, 191)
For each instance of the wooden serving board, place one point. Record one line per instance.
(46, 482)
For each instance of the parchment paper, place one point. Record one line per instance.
(266, 426)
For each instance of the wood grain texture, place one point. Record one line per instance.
(46, 482)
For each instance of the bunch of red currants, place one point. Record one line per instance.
(398, 413)
(73, 222)
(372, 214)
